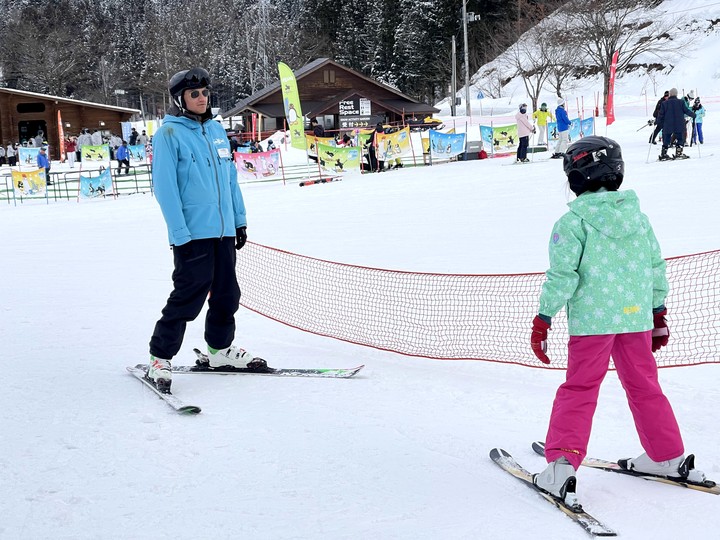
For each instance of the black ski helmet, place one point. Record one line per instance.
(188, 79)
(592, 163)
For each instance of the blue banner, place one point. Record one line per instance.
(446, 145)
(587, 127)
(96, 187)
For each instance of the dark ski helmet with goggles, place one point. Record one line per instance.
(592, 163)
(188, 79)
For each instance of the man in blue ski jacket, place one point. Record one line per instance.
(195, 182)
(563, 127)
(123, 158)
(672, 119)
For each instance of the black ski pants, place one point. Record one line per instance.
(201, 267)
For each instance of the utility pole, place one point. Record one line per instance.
(453, 80)
(467, 17)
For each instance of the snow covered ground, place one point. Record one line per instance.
(399, 452)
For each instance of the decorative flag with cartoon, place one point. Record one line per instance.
(98, 154)
(137, 154)
(337, 159)
(27, 183)
(258, 164)
(394, 145)
(98, 186)
(291, 101)
(445, 145)
(587, 127)
(27, 157)
(311, 141)
(574, 131)
(500, 138)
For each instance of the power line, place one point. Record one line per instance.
(692, 9)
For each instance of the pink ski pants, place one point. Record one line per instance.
(576, 399)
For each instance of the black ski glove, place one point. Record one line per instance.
(240, 237)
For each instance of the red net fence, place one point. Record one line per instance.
(457, 316)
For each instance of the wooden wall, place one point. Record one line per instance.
(77, 115)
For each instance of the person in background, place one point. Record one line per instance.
(123, 157)
(656, 112)
(699, 111)
(672, 119)
(542, 116)
(44, 163)
(525, 129)
(2, 155)
(375, 164)
(607, 271)
(70, 148)
(196, 186)
(11, 155)
(563, 127)
(133, 137)
(96, 139)
(317, 129)
(142, 138)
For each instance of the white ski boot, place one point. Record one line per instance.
(160, 374)
(679, 467)
(235, 357)
(559, 480)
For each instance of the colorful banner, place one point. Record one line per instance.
(258, 164)
(27, 157)
(611, 90)
(338, 159)
(445, 145)
(312, 141)
(393, 145)
(575, 131)
(99, 153)
(98, 186)
(291, 101)
(26, 183)
(137, 154)
(61, 134)
(499, 138)
(587, 127)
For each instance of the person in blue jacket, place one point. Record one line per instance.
(195, 182)
(123, 157)
(44, 163)
(672, 119)
(699, 111)
(563, 127)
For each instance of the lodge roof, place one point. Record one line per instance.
(58, 99)
(400, 104)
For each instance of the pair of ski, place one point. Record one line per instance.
(202, 365)
(591, 524)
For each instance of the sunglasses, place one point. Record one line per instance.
(196, 93)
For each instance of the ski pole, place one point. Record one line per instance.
(648, 123)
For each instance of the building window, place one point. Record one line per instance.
(329, 76)
(30, 107)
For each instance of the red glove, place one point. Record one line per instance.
(538, 339)
(660, 333)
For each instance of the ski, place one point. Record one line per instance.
(176, 403)
(202, 366)
(591, 525)
(708, 486)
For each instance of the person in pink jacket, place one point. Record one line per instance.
(525, 128)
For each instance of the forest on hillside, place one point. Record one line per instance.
(122, 52)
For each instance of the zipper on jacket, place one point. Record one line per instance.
(217, 182)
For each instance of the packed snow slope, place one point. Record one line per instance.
(399, 452)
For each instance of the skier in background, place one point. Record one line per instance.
(658, 126)
(525, 129)
(672, 119)
(699, 111)
(542, 116)
(563, 127)
(607, 271)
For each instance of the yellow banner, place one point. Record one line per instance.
(291, 101)
(393, 145)
(29, 182)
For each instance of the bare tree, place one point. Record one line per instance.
(531, 57)
(598, 28)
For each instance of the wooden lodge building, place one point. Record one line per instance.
(23, 114)
(339, 97)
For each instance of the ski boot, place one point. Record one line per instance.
(235, 357)
(559, 480)
(679, 153)
(663, 154)
(679, 468)
(159, 373)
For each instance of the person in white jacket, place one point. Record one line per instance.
(525, 129)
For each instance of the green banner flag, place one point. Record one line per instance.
(291, 101)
